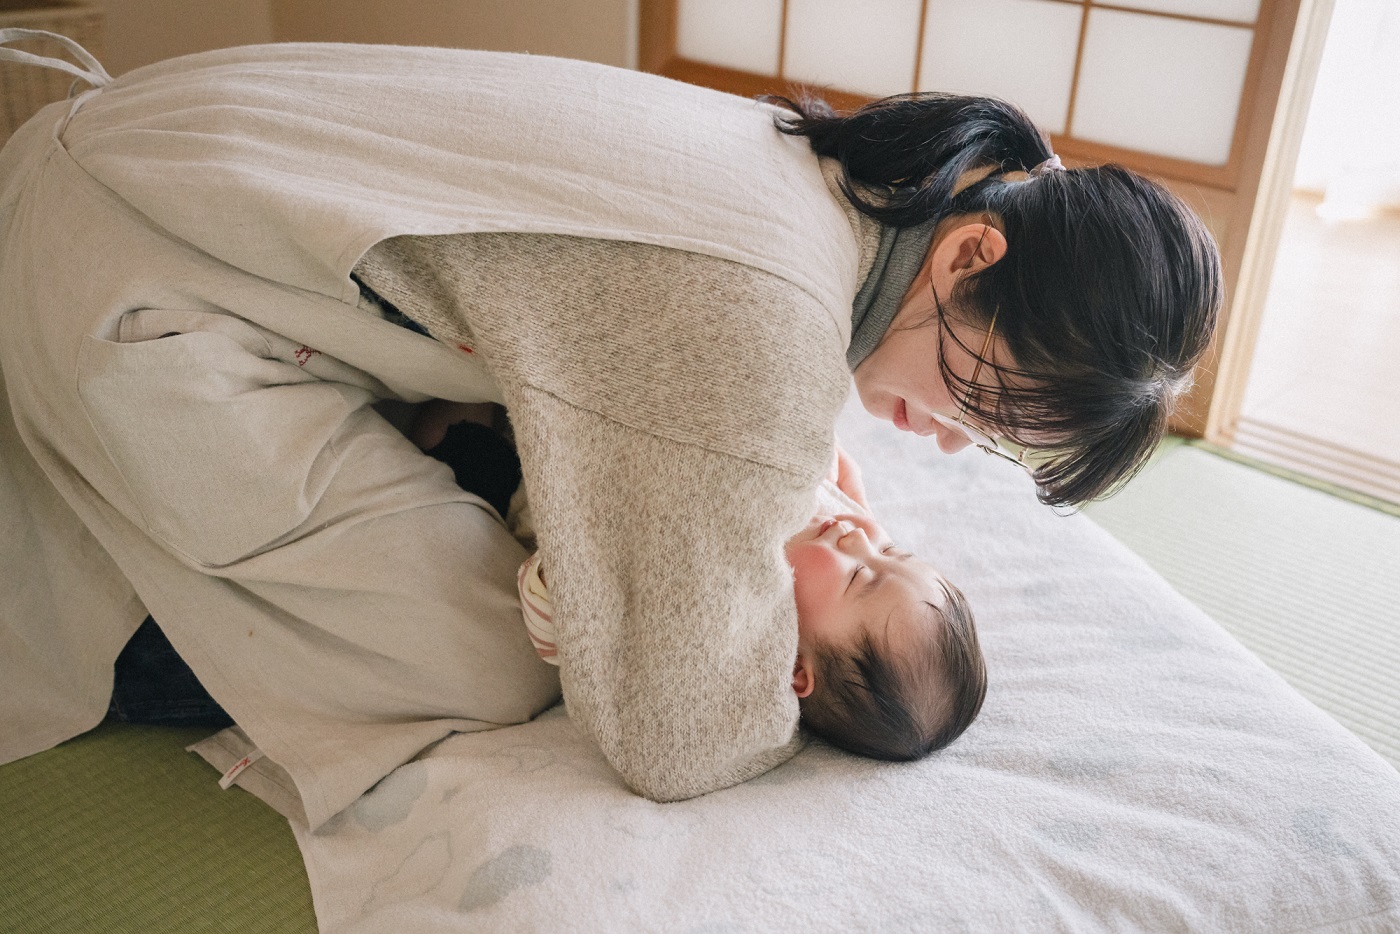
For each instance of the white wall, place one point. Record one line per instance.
(597, 30)
(138, 32)
(1351, 143)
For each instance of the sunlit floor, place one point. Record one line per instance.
(1324, 390)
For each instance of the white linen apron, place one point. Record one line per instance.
(176, 248)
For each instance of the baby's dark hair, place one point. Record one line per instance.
(901, 705)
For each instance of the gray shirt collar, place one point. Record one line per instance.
(898, 259)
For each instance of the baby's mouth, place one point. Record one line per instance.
(842, 527)
(816, 528)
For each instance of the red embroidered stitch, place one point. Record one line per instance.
(465, 348)
(304, 354)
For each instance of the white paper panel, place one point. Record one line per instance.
(740, 34)
(1160, 85)
(1240, 11)
(866, 47)
(1031, 42)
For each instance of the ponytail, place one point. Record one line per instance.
(912, 148)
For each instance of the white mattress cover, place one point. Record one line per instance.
(1134, 769)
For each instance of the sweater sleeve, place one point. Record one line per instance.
(673, 414)
(676, 627)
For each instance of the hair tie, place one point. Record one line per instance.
(1053, 164)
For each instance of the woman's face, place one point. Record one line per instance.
(900, 381)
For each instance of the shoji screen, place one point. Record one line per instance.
(1183, 90)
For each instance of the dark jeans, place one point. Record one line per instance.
(154, 685)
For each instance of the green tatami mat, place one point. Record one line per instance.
(121, 830)
(1308, 581)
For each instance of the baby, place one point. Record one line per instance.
(888, 664)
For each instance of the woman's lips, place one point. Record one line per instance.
(901, 416)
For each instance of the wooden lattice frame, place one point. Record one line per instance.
(1224, 195)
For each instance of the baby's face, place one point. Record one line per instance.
(848, 575)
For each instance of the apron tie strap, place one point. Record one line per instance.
(94, 74)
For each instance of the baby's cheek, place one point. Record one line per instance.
(813, 569)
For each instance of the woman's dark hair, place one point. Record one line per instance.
(901, 703)
(1107, 296)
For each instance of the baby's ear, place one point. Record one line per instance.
(803, 679)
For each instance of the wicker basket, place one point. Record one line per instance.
(24, 89)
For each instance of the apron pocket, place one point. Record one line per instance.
(224, 446)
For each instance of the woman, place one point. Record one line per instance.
(657, 284)
(1087, 334)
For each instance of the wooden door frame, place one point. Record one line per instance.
(1265, 228)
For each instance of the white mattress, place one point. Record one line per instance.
(1134, 769)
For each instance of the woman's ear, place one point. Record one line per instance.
(969, 248)
(981, 246)
(803, 678)
(991, 247)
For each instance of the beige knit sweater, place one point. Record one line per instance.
(659, 281)
(673, 414)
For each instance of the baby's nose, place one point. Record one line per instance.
(849, 537)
